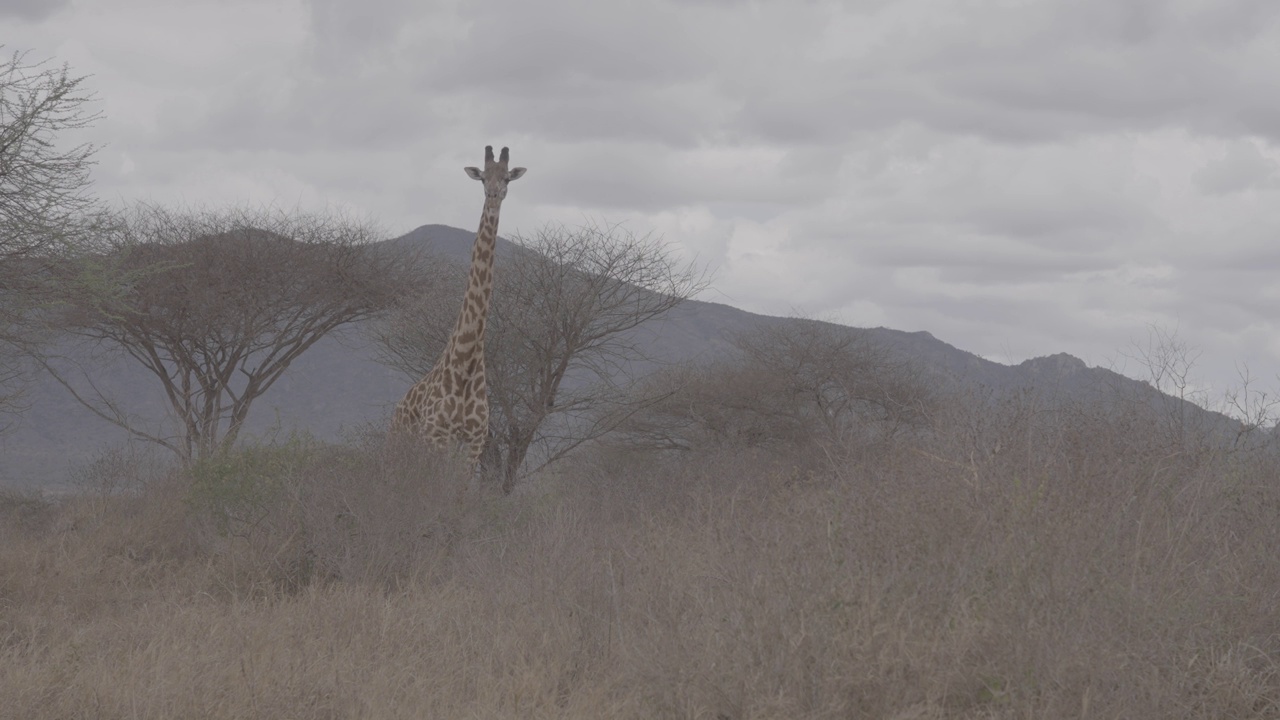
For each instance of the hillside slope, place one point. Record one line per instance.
(339, 385)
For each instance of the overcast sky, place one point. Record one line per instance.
(1017, 177)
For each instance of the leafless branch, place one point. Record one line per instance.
(46, 207)
(561, 339)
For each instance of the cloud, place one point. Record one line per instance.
(32, 11)
(1241, 168)
(1021, 178)
(1031, 72)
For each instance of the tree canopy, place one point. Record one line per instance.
(47, 208)
(560, 336)
(215, 305)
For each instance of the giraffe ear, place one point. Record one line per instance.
(515, 174)
(474, 173)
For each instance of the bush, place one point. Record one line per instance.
(239, 490)
(279, 517)
(802, 383)
(1008, 564)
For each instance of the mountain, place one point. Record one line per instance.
(339, 385)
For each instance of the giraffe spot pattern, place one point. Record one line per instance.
(450, 404)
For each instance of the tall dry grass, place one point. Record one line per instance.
(1017, 563)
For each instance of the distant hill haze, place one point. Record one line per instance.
(339, 384)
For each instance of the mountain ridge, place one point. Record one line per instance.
(338, 385)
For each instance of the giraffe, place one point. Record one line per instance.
(449, 407)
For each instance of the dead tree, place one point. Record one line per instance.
(46, 206)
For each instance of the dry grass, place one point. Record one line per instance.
(1045, 580)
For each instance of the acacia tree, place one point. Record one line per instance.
(563, 338)
(215, 305)
(790, 382)
(46, 207)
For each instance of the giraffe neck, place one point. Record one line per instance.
(468, 334)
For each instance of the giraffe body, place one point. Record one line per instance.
(449, 408)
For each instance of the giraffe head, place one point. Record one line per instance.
(495, 175)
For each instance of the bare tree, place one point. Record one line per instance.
(838, 377)
(216, 305)
(792, 382)
(1255, 408)
(1179, 407)
(46, 207)
(564, 339)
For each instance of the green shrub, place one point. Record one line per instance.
(239, 489)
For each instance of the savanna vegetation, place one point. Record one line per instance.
(810, 527)
(1017, 558)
